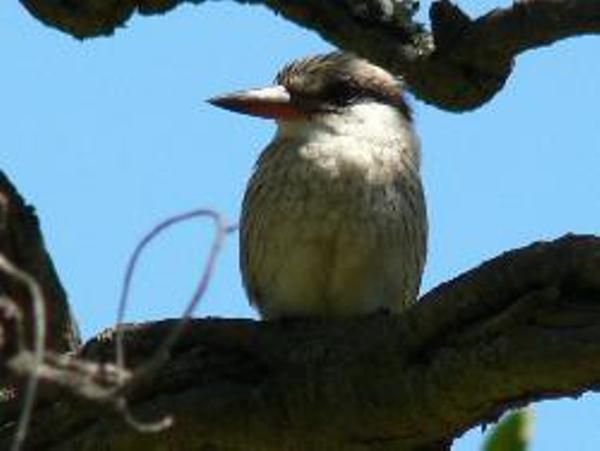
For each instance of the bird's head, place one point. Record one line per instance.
(316, 85)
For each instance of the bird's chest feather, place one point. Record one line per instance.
(343, 176)
(336, 169)
(367, 149)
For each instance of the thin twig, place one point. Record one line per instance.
(103, 383)
(162, 354)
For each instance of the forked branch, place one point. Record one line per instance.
(459, 65)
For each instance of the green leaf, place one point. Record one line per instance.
(512, 433)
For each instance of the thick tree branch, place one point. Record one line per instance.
(21, 243)
(22, 249)
(522, 327)
(459, 66)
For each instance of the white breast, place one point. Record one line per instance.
(364, 133)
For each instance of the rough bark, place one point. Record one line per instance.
(21, 242)
(459, 66)
(522, 327)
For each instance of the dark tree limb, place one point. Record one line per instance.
(459, 66)
(21, 242)
(22, 249)
(522, 327)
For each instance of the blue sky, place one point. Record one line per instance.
(108, 136)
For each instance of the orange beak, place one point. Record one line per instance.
(273, 102)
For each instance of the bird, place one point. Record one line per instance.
(334, 221)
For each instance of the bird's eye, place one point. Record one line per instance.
(342, 93)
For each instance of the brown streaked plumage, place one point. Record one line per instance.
(325, 79)
(333, 219)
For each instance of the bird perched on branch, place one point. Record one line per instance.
(333, 220)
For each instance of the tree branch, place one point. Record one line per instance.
(522, 327)
(21, 242)
(459, 66)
